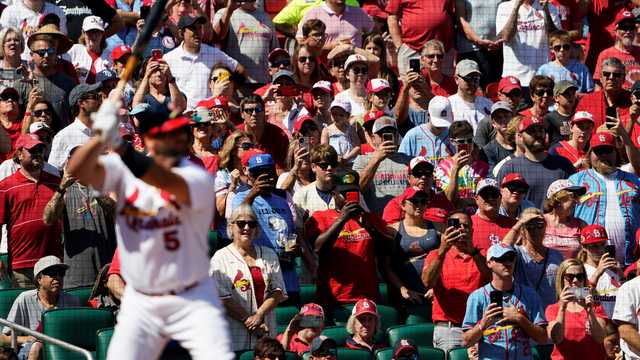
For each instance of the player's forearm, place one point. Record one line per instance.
(510, 27)
(116, 286)
(53, 210)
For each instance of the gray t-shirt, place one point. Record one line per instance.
(250, 38)
(55, 89)
(390, 180)
(481, 15)
(27, 309)
(540, 276)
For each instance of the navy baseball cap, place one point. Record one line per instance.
(105, 75)
(260, 161)
(186, 21)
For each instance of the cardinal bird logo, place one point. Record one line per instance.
(240, 283)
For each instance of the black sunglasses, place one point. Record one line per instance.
(470, 78)
(304, 59)
(535, 224)
(247, 146)
(490, 194)
(9, 97)
(360, 70)
(39, 113)
(517, 189)
(513, 93)
(543, 92)
(325, 165)
(337, 63)
(463, 141)
(565, 47)
(45, 52)
(243, 224)
(433, 56)
(508, 258)
(281, 63)
(421, 173)
(603, 150)
(613, 75)
(250, 111)
(419, 201)
(305, 129)
(578, 276)
(54, 272)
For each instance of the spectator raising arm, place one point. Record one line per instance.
(394, 30)
(510, 27)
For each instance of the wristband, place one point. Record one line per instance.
(27, 113)
(137, 162)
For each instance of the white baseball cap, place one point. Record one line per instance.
(92, 23)
(47, 262)
(342, 104)
(354, 58)
(37, 126)
(440, 113)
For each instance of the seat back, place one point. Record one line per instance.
(77, 326)
(103, 338)
(82, 293)
(284, 314)
(337, 333)
(426, 352)
(307, 293)
(458, 354)
(419, 314)
(389, 317)
(353, 354)
(421, 334)
(542, 352)
(248, 355)
(7, 297)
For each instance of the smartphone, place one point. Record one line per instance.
(156, 54)
(453, 222)
(353, 197)
(310, 321)
(611, 113)
(387, 137)
(304, 142)
(580, 293)
(495, 297)
(414, 65)
(465, 147)
(288, 90)
(610, 250)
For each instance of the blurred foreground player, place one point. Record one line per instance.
(164, 210)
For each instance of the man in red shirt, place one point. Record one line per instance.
(453, 271)
(23, 197)
(348, 242)
(623, 49)
(303, 328)
(489, 226)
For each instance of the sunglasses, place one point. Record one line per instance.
(360, 70)
(9, 98)
(594, 246)
(613, 75)
(543, 92)
(578, 276)
(463, 141)
(90, 96)
(251, 111)
(338, 63)
(626, 27)
(39, 113)
(44, 52)
(305, 129)
(281, 63)
(565, 47)
(204, 125)
(247, 146)
(603, 150)
(419, 201)
(517, 189)
(513, 93)
(490, 195)
(304, 59)
(422, 173)
(508, 258)
(242, 224)
(433, 56)
(470, 78)
(54, 272)
(536, 224)
(325, 165)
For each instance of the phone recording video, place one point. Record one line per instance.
(453, 222)
(388, 137)
(414, 65)
(495, 297)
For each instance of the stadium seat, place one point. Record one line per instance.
(542, 352)
(389, 317)
(77, 326)
(353, 354)
(248, 355)
(103, 338)
(384, 294)
(82, 293)
(426, 353)
(7, 297)
(5, 283)
(418, 314)
(421, 334)
(337, 333)
(307, 294)
(341, 314)
(284, 314)
(458, 354)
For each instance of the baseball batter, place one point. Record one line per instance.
(164, 209)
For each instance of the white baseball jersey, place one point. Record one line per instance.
(163, 244)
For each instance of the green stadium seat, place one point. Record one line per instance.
(426, 353)
(248, 355)
(307, 293)
(82, 293)
(337, 333)
(384, 294)
(353, 354)
(421, 334)
(542, 352)
(7, 297)
(6, 282)
(284, 314)
(77, 326)
(103, 338)
(213, 242)
(419, 314)
(458, 354)
(341, 314)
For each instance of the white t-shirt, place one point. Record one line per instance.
(79, 56)
(628, 310)
(528, 49)
(614, 221)
(74, 134)
(606, 288)
(357, 108)
(473, 112)
(163, 244)
(192, 70)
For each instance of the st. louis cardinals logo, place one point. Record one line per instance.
(140, 219)
(240, 283)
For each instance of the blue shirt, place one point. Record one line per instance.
(420, 141)
(506, 341)
(540, 276)
(276, 223)
(574, 71)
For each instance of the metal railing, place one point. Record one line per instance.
(41, 337)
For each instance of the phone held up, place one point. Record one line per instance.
(414, 65)
(495, 296)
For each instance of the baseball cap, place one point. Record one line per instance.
(260, 161)
(412, 192)
(140, 108)
(602, 139)
(282, 74)
(436, 214)
(342, 104)
(486, 184)
(565, 184)
(376, 85)
(624, 16)
(155, 123)
(364, 306)
(48, 262)
(440, 113)
(384, 122)
(322, 85)
(248, 155)
(511, 178)
(186, 21)
(529, 122)
(201, 115)
(39, 126)
(218, 101)
(28, 141)
(370, 117)
(346, 180)
(562, 86)
(120, 51)
(581, 116)
(318, 341)
(593, 234)
(501, 105)
(404, 345)
(353, 58)
(105, 75)
(420, 160)
(49, 18)
(79, 90)
(275, 52)
(498, 250)
(466, 67)
(92, 23)
(301, 121)
(312, 309)
(509, 83)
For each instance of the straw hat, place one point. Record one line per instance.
(64, 43)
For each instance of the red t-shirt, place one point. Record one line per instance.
(565, 149)
(274, 141)
(393, 212)
(630, 60)
(347, 271)
(576, 344)
(487, 233)
(13, 132)
(296, 344)
(459, 277)
(114, 268)
(447, 87)
(424, 20)
(22, 204)
(210, 163)
(258, 284)
(595, 103)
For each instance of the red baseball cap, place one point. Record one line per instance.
(436, 214)
(218, 101)
(275, 52)
(412, 192)
(169, 125)
(377, 85)
(28, 141)
(529, 122)
(312, 309)
(120, 51)
(365, 306)
(370, 117)
(248, 155)
(301, 120)
(602, 139)
(581, 116)
(593, 234)
(512, 178)
(509, 83)
(624, 15)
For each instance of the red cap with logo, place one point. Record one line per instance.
(218, 101)
(28, 141)
(372, 116)
(365, 306)
(509, 83)
(593, 234)
(436, 214)
(377, 85)
(529, 122)
(312, 309)
(513, 177)
(602, 139)
(120, 51)
(624, 15)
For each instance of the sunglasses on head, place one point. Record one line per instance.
(360, 70)
(579, 276)
(250, 111)
(565, 47)
(535, 224)
(304, 59)
(613, 75)
(247, 146)
(281, 63)
(45, 52)
(433, 56)
(543, 92)
(244, 223)
(39, 113)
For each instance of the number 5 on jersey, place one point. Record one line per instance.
(171, 241)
